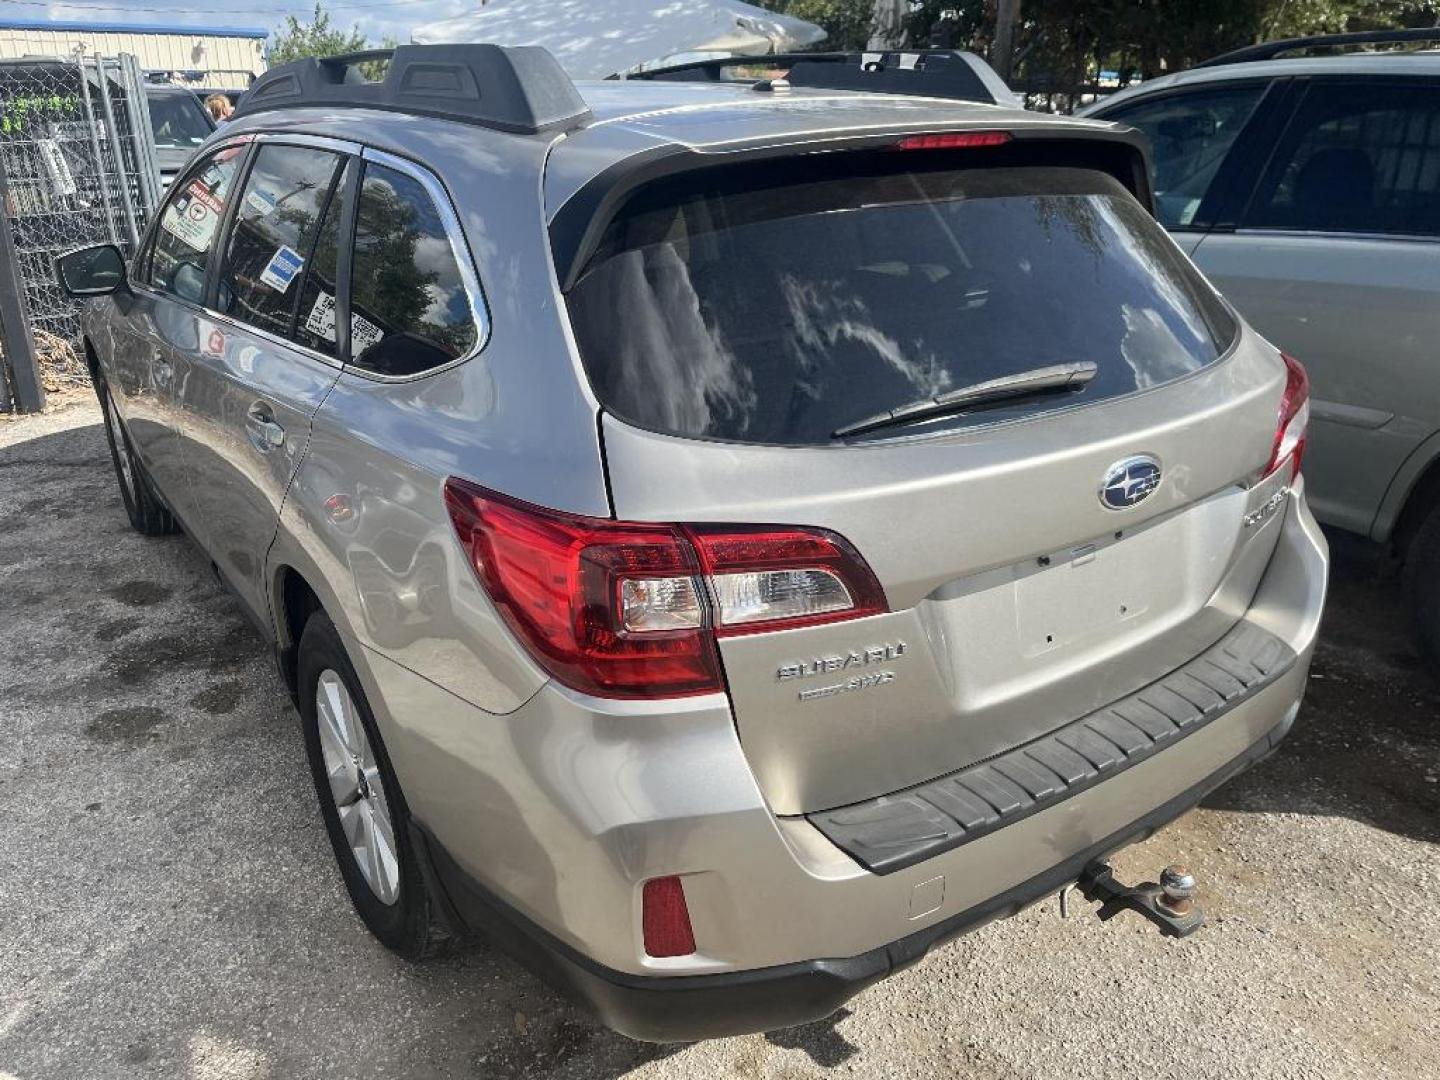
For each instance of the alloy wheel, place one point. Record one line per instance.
(356, 787)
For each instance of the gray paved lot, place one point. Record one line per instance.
(169, 906)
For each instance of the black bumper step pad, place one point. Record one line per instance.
(895, 831)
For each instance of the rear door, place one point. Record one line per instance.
(1335, 257)
(266, 356)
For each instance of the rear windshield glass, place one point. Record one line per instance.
(783, 309)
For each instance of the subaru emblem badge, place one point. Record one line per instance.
(1129, 482)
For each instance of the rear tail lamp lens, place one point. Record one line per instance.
(771, 579)
(598, 604)
(622, 609)
(660, 604)
(665, 919)
(1294, 420)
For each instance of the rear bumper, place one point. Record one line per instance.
(685, 1008)
(542, 825)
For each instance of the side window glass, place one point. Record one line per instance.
(1190, 134)
(189, 222)
(315, 327)
(1357, 158)
(409, 310)
(276, 224)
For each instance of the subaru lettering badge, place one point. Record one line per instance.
(1130, 482)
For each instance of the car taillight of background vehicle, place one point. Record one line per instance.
(1294, 419)
(633, 609)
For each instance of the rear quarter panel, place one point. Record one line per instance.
(366, 513)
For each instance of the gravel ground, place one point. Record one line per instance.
(169, 905)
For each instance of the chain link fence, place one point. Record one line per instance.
(77, 167)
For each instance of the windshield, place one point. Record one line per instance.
(178, 120)
(721, 307)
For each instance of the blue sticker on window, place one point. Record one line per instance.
(282, 268)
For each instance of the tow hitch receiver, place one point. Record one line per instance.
(1168, 903)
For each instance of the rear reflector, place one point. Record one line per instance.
(954, 140)
(1294, 419)
(665, 918)
(632, 609)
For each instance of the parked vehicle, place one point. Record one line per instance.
(1308, 190)
(722, 542)
(180, 124)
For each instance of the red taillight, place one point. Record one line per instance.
(954, 140)
(558, 581)
(625, 610)
(1294, 419)
(665, 919)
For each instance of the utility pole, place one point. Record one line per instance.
(1002, 53)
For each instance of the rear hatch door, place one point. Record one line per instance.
(769, 345)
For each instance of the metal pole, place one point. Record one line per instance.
(19, 344)
(95, 145)
(117, 153)
(1002, 57)
(143, 137)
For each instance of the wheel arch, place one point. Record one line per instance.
(294, 598)
(1412, 495)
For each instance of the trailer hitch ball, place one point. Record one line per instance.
(1177, 886)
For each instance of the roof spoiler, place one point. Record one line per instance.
(941, 73)
(520, 89)
(1271, 50)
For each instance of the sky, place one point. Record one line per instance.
(376, 18)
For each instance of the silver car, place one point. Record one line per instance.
(1308, 190)
(722, 541)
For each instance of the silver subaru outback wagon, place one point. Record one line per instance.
(722, 541)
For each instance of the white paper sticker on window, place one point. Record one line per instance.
(363, 334)
(321, 320)
(262, 202)
(193, 218)
(280, 271)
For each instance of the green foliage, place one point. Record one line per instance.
(846, 22)
(1067, 41)
(320, 37)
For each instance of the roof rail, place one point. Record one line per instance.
(1270, 50)
(946, 73)
(510, 88)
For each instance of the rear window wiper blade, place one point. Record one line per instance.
(1021, 384)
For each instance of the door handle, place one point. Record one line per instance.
(262, 429)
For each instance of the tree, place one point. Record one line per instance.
(846, 23)
(1065, 43)
(319, 37)
(315, 38)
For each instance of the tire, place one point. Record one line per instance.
(1422, 587)
(148, 515)
(363, 809)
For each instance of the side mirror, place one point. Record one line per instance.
(91, 271)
